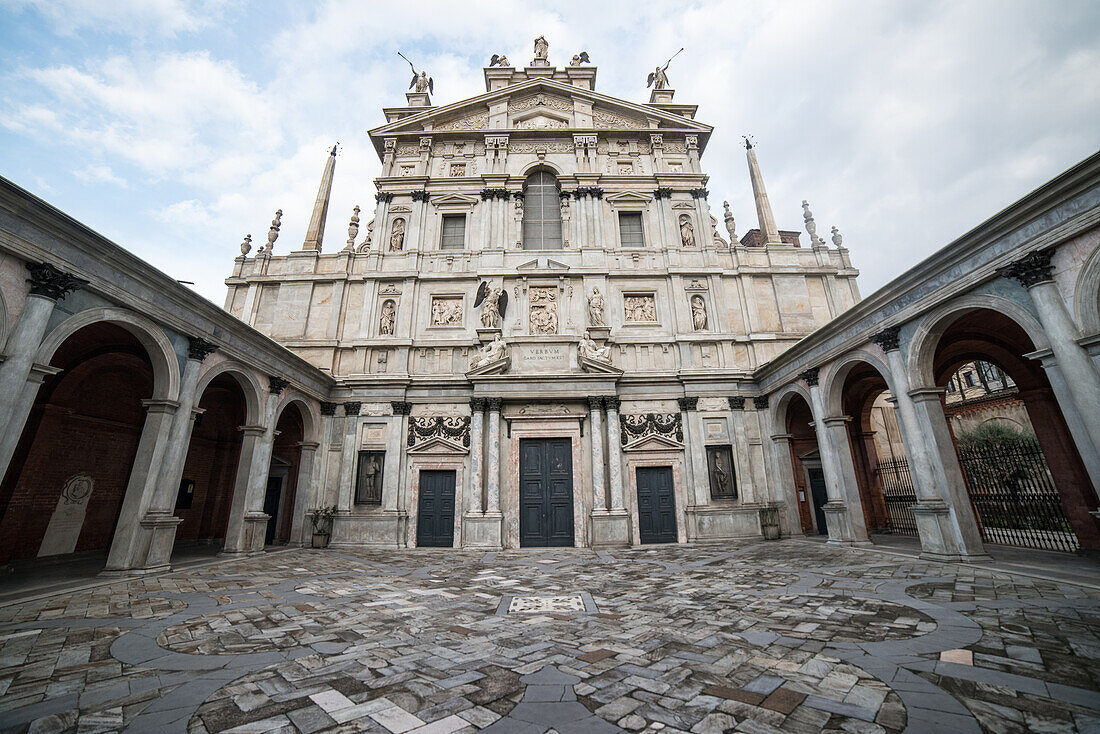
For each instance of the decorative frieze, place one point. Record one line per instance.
(446, 311)
(640, 308)
(425, 427)
(544, 310)
(635, 426)
(48, 281)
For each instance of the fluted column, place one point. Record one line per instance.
(595, 416)
(493, 478)
(614, 454)
(477, 443)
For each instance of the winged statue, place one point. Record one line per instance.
(420, 79)
(657, 78)
(499, 60)
(495, 306)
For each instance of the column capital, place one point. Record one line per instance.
(252, 430)
(687, 403)
(351, 408)
(50, 282)
(888, 338)
(328, 408)
(309, 445)
(923, 394)
(199, 349)
(782, 437)
(161, 406)
(595, 402)
(737, 402)
(833, 420)
(478, 404)
(495, 404)
(1030, 270)
(760, 402)
(612, 402)
(400, 407)
(277, 384)
(810, 376)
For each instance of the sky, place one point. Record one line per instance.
(174, 128)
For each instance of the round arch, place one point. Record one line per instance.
(3, 322)
(166, 372)
(249, 384)
(536, 166)
(930, 329)
(838, 371)
(309, 410)
(1086, 295)
(781, 400)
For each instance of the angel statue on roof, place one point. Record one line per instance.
(420, 79)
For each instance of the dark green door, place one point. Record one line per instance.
(545, 492)
(435, 523)
(656, 505)
(819, 497)
(272, 497)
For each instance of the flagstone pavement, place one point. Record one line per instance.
(755, 637)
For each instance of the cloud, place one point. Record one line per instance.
(135, 18)
(98, 174)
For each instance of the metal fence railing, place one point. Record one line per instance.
(899, 495)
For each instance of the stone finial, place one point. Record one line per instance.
(353, 228)
(273, 230)
(199, 348)
(246, 245)
(811, 225)
(1032, 269)
(731, 226)
(277, 385)
(48, 281)
(838, 239)
(810, 376)
(888, 338)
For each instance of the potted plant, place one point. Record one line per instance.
(321, 517)
(769, 522)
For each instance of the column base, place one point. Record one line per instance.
(938, 539)
(156, 538)
(610, 529)
(483, 531)
(839, 524)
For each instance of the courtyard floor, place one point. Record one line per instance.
(755, 637)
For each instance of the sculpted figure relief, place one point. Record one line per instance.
(397, 235)
(494, 304)
(544, 310)
(640, 308)
(590, 350)
(491, 352)
(687, 231)
(446, 312)
(388, 319)
(542, 48)
(595, 308)
(698, 313)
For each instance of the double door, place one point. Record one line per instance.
(435, 523)
(545, 492)
(656, 505)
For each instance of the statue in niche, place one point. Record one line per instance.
(388, 320)
(542, 48)
(494, 304)
(373, 472)
(397, 235)
(492, 352)
(698, 313)
(687, 231)
(595, 308)
(590, 350)
(720, 473)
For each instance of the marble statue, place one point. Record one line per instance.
(687, 231)
(595, 308)
(720, 475)
(658, 79)
(698, 313)
(494, 304)
(420, 79)
(590, 350)
(542, 48)
(491, 352)
(397, 235)
(581, 58)
(388, 319)
(499, 60)
(731, 226)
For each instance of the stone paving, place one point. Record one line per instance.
(757, 637)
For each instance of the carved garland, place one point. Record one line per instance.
(639, 425)
(426, 427)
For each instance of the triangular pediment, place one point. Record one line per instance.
(455, 199)
(628, 197)
(654, 442)
(542, 103)
(437, 445)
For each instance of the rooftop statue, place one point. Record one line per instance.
(499, 60)
(581, 58)
(420, 79)
(542, 48)
(658, 79)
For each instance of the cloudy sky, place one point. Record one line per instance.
(175, 128)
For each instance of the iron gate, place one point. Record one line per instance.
(1014, 497)
(899, 495)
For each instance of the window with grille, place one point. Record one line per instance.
(454, 232)
(541, 212)
(630, 229)
(368, 477)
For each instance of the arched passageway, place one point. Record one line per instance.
(282, 479)
(212, 465)
(65, 485)
(1033, 492)
(805, 457)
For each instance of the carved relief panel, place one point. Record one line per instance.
(544, 310)
(640, 308)
(446, 311)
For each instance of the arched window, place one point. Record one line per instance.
(541, 212)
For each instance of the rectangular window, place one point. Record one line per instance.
(630, 229)
(968, 377)
(368, 477)
(723, 484)
(454, 232)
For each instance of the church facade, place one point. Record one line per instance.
(541, 337)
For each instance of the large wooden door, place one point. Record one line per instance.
(435, 523)
(272, 498)
(656, 505)
(545, 492)
(818, 496)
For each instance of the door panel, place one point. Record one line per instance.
(656, 505)
(545, 492)
(435, 524)
(272, 498)
(819, 497)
